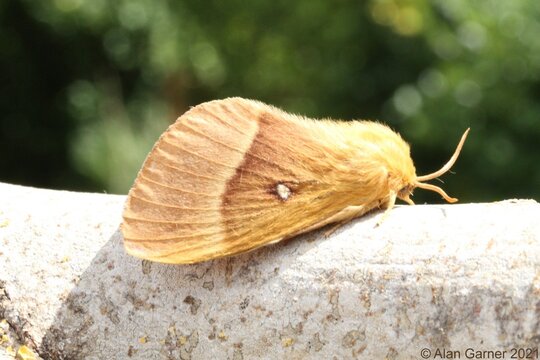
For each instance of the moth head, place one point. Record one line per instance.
(420, 181)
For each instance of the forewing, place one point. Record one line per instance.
(215, 184)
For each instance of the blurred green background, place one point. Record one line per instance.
(87, 86)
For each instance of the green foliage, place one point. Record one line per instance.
(90, 85)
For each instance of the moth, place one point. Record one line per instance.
(233, 175)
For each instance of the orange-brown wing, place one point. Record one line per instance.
(227, 177)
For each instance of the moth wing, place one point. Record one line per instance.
(227, 177)
(175, 202)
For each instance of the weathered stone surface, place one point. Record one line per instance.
(446, 277)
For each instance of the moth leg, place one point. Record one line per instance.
(344, 216)
(391, 202)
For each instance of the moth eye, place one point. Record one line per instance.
(404, 191)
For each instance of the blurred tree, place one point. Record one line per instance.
(89, 86)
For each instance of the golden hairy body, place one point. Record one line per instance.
(233, 175)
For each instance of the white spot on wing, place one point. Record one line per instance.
(283, 191)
